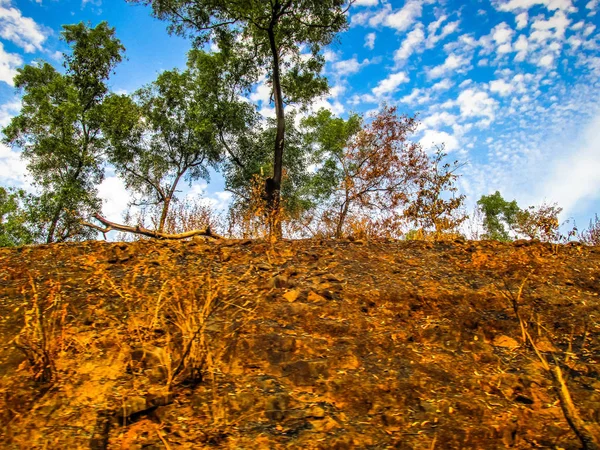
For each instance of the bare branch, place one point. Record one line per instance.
(146, 232)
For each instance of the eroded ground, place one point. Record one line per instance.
(304, 344)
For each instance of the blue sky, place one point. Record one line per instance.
(510, 86)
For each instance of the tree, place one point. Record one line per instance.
(15, 218)
(58, 129)
(271, 34)
(497, 215)
(434, 204)
(175, 128)
(539, 222)
(368, 169)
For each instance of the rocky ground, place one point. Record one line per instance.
(298, 344)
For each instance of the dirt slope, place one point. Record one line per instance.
(303, 344)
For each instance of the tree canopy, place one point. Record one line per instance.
(283, 39)
(59, 129)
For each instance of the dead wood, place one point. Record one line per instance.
(109, 226)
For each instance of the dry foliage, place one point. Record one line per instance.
(539, 222)
(591, 236)
(435, 207)
(253, 217)
(41, 337)
(379, 167)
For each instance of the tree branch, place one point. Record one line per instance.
(146, 232)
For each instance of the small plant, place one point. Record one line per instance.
(39, 339)
(591, 236)
(252, 216)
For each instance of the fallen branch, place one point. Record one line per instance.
(109, 226)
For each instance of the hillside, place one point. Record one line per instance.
(301, 344)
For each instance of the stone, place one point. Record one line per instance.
(291, 296)
(314, 297)
(505, 342)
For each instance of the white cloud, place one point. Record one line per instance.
(115, 198)
(390, 84)
(336, 90)
(8, 111)
(8, 65)
(474, 103)
(402, 20)
(452, 62)
(438, 119)
(434, 138)
(551, 5)
(546, 61)
(330, 56)
(501, 87)
(442, 85)
(365, 3)
(13, 170)
(23, 31)
(559, 22)
(262, 93)
(502, 33)
(323, 103)
(370, 40)
(348, 66)
(410, 43)
(521, 46)
(574, 178)
(521, 20)
(449, 28)
(414, 96)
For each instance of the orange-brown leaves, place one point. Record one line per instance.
(379, 166)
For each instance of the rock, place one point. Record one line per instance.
(276, 407)
(291, 296)
(279, 281)
(505, 342)
(544, 345)
(325, 425)
(131, 406)
(306, 373)
(333, 277)
(314, 297)
(226, 254)
(316, 411)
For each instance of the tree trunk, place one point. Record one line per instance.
(163, 214)
(341, 220)
(53, 225)
(273, 186)
(167, 202)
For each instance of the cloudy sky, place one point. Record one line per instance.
(512, 87)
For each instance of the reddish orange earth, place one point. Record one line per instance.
(298, 344)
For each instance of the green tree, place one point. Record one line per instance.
(15, 218)
(499, 216)
(175, 128)
(271, 34)
(58, 129)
